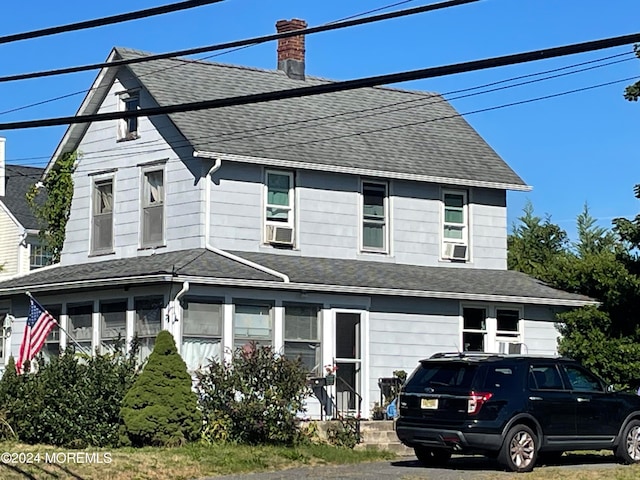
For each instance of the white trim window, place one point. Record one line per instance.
(51, 347)
(202, 326)
(148, 322)
(39, 255)
(153, 200)
(113, 325)
(455, 225)
(474, 329)
(252, 323)
(508, 330)
(374, 216)
(279, 192)
(102, 216)
(128, 101)
(302, 335)
(80, 326)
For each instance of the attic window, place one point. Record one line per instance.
(128, 127)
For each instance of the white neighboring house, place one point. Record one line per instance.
(364, 229)
(20, 249)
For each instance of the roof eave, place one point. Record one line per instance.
(274, 162)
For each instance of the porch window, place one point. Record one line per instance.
(302, 335)
(148, 322)
(508, 330)
(201, 332)
(81, 325)
(252, 323)
(113, 326)
(51, 346)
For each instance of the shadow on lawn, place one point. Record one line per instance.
(48, 472)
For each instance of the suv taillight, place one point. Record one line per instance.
(476, 401)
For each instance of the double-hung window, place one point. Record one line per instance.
(201, 332)
(102, 222)
(81, 325)
(148, 322)
(39, 255)
(508, 330)
(113, 325)
(302, 335)
(474, 329)
(455, 228)
(374, 217)
(252, 323)
(153, 208)
(128, 127)
(279, 207)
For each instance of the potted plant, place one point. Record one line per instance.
(330, 373)
(377, 412)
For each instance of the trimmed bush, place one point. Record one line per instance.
(160, 408)
(254, 399)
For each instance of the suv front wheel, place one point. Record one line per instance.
(519, 450)
(628, 450)
(432, 457)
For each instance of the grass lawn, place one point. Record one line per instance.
(193, 461)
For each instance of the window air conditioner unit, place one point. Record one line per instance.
(455, 251)
(279, 235)
(510, 348)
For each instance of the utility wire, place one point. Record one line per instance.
(239, 43)
(341, 86)
(99, 22)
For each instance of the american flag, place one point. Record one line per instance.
(39, 324)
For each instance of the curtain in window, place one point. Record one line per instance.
(105, 197)
(199, 352)
(155, 185)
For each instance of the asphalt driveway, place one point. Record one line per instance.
(408, 468)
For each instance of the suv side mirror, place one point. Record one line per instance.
(610, 389)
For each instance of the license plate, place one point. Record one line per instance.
(429, 403)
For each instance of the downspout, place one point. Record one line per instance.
(176, 300)
(207, 223)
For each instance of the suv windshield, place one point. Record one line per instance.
(432, 375)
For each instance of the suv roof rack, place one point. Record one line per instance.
(464, 354)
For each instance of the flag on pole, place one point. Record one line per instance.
(39, 324)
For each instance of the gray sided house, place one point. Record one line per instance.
(363, 229)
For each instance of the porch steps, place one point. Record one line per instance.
(382, 435)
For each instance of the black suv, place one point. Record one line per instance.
(513, 408)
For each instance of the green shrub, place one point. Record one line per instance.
(160, 408)
(68, 401)
(258, 394)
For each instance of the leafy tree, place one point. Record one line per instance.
(632, 92)
(52, 212)
(161, 408)
(254, 398)
(606, 338)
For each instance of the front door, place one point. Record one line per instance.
(348, 360)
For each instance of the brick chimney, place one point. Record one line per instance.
(291, 49)
(2, 168)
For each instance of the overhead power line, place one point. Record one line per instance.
(341, 86)
(372, 111)
(241, 43)
(99, 22)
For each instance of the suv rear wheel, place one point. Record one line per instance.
(629, 449)
(432, 457)
(519, 450)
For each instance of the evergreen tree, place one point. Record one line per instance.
(161, 408)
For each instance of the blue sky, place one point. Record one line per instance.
(572, 149)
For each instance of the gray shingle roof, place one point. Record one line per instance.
(383, 129)
(321, 272)
(17, 183)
